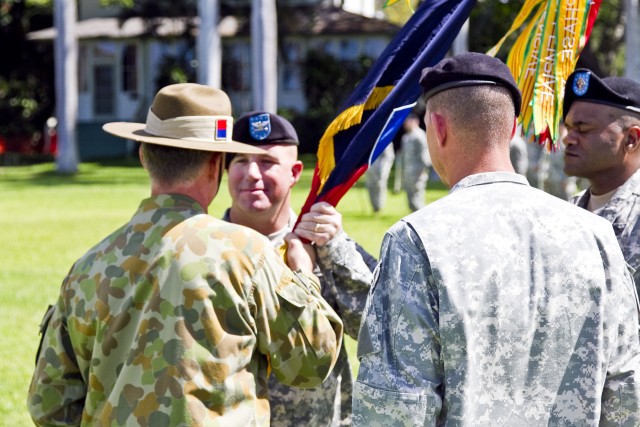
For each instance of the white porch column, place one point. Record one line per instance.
(264, 55)
(461, 42)
(632, 40)
(66, 84)
(208, 44)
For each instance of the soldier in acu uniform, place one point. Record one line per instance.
(602, 144)
(378, 178)
(499, 304)
(260, 187)
(177, 317)
(415, 162)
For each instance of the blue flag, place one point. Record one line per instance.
(395, 120)
(391, 83)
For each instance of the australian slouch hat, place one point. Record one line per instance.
(189, 116)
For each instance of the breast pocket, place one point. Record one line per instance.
(392, 408)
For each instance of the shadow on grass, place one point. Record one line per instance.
(112, 171)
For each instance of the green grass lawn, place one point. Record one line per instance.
(48, 220)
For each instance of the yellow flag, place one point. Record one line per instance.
(522, 62)
(390, 3)
(524, 13)
(571, 41)
(544, 91)
(554, 33)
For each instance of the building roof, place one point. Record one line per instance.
(332, 20)
(322, 20)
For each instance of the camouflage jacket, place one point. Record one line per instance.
(176, 319)
(499, 305)
(345, 280)
(414, 152)
(623, 212)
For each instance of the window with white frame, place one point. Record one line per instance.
(104, 85)
(291, 69)
(83, 68)
(236, 67)
(348, 49)
(129, 68)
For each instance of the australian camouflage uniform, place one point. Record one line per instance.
(176, 319)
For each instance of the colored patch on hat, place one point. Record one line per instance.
(581, 83)
(221, 129)
(260, 126)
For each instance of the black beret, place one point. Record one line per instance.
(469, 69)
(584, 85)
(261, 128)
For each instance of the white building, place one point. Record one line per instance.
(119, 60)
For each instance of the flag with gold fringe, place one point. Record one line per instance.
(391, 83)
(542, 57)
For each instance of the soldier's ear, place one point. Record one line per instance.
(296, 171)
(439, 128)
(633, 138)
(141, 157)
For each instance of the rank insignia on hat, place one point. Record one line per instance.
(581, 83)
(260, 126)
(221, 129)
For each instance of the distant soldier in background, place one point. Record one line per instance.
(545, 170)
(518, 153)
(378, 178)
(555, 181)
(415, 161)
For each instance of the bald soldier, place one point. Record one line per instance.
(498, 304)
(602, 144)
(177, 317)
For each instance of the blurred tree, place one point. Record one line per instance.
(328, 81)
(26, 73)
(154, 8)
(605, 51)
(174, 69)
(489, 21)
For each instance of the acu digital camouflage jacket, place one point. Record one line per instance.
(499, 305)
(623, 212)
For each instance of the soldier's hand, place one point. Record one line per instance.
(300, 256)
(320, 224)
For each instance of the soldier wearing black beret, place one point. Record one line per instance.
(260, 188)
(480, 313)
(602, 144)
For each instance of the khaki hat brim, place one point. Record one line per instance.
(136, 132)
